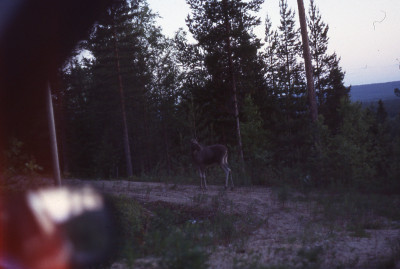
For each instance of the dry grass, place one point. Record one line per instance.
(268, 228)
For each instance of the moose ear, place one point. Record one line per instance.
(195, 146)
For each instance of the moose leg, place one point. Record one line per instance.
(202, 173)
(226, 174)
(201, 178)
(227, 170)
(204, 178)
(230, 174)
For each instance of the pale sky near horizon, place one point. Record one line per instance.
(364, 33)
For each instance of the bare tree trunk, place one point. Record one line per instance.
(239, 136)
(63, 136)
(232, 73)
(127, 149)
(307, 61)
(193, 117)
(53, 138)
(166, 144)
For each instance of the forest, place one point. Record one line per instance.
(129, 100)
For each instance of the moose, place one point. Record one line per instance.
(208, 155)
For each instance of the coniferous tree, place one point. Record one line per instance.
(318, 36)
(328, 74)
(289, 52)
(223, 30)
(335, 93)
(312, 103)
(79, 141)
(397, 92)
(164, 96)
(193, 79)
(129, 31)
(270, 56)
(291, 75)
(155, 79)
(381, 114)
(290, 119)
(112, 45)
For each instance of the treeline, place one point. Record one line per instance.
(229, 87)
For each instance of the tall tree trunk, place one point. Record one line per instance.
(63, 136)
(127, 150)
(307, 61)
(166, 144)
(53, 138)
(232, 73)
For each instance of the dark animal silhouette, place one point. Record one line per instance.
(204, 156)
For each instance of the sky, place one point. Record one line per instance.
(365, 34)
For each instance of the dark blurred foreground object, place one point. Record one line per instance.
(36, 37)
(56, 228)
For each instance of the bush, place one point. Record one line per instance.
(19, 162)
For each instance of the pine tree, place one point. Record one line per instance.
(312, 103)
(193, 79)
(381, 114)
(112, 45)
(78, 140)
(164, 96)
(328, 74)
(335, 93)
(125, 47)
(289, 51)
(318, 36)
(223, 30)
(289, 120)
(271, 42)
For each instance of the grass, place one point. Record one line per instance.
(200, 199)
(355, 211)
(179, 236)
(253, 262)
(310, 256)
(358, 231)
(394, 258)
(159, 231)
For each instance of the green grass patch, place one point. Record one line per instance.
(357, 211)
(178, 236)
(311, 257)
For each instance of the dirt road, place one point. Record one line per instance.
(295, 231)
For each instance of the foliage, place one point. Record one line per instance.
(224, 32)
(18, 161)
(359, 154)
(179, 236)
(176, 90)
(397, 92)
(328, 75)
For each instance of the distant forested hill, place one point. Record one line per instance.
(371, 93)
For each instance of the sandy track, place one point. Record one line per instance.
(289, 233)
